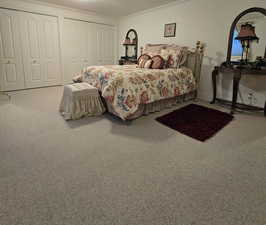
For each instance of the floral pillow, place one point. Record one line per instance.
(175, 56)
(157, 62)
(153, 49)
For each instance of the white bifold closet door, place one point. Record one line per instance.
(79, 47)
(29, 50)
(11, 68)
(40, 41)
(105, 39)
(86, 44)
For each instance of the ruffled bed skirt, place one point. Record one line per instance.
(79, 106)
(157, 106)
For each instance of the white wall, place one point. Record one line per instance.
(206, 20)
(256, 48)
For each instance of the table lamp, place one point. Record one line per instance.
(246, 36)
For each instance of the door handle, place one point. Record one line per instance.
(34, 61)
(8, 62)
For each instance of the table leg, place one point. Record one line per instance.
(265, 109)
(237, 78)
(215, 72)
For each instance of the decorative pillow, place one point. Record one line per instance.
(143, 56)
(175, 56)
(158, 62)
(142, 63)
(153, 49)
(165, 55)
(148, 64)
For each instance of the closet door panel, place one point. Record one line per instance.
(33, 30)
(51, 72)
(92, 48)
(11, 70)
(111, 55)
(105, 45)
(50, 51)
(31, 38)
(36, 74)
(86, 44)
(10, 73)
(40, 50)
(50, 39)
(99, 44)
(75, 48)
(109, 46)
(75, 68)
(72, 68)
(7, 35)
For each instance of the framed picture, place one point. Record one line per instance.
(169, 30)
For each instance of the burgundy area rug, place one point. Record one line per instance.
(196, 121)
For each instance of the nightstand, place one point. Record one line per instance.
(128, 61)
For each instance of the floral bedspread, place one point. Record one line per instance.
(126, 87)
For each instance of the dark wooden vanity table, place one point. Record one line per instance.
(238, 72)
(246, 34)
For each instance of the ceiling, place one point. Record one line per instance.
(111, 7)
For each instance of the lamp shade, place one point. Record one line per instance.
(247, 32)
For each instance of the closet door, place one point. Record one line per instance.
(108, 44)
(76, 48)
(99, 44)
(105, 44)
(86, 44)
(40, 50)
(11, 69)
(92, 48)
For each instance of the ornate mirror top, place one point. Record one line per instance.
(247, 39)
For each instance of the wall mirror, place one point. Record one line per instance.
(247, 39)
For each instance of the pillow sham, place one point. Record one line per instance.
(175, 56)
(157, 62)
(153, 49)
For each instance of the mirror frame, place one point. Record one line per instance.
(136, 45)
(232, 29)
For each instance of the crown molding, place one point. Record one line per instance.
(168, 5)
(35, 6)
(66, 8)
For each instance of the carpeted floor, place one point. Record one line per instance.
(102, 171)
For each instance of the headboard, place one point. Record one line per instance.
(194, 59)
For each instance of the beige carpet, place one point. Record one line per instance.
(102, 171)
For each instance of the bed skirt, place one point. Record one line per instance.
(157, 106)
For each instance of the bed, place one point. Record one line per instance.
(130, 92)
